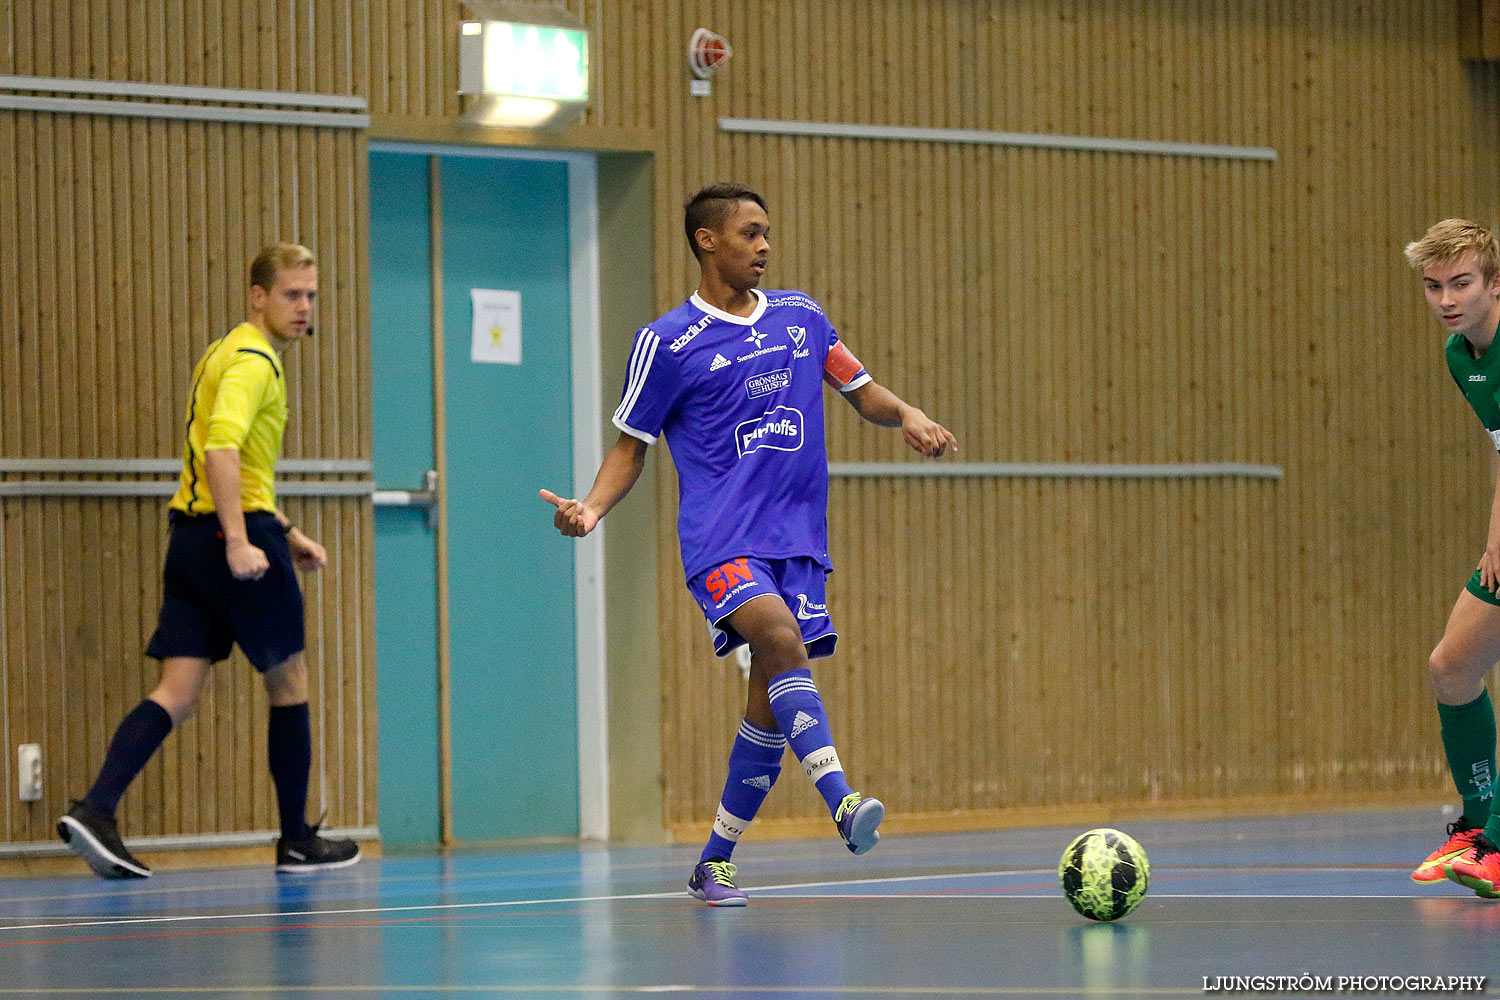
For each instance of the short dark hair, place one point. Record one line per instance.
(711, 206)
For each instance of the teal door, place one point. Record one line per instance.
(401, 396)
(507, 430)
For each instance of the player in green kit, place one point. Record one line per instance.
(1460, 265)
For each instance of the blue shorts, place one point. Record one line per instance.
(800, 583)
(205, 610)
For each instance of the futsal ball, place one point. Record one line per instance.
(1104, 874)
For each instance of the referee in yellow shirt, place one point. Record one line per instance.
(229, 576)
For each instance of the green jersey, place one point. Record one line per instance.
(1478, 379)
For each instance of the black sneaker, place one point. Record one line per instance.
(314, 853)
(92, 836)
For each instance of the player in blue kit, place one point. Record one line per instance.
(733, 379)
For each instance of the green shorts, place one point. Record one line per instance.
(1477, 589)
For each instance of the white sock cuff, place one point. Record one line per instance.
(729, 826)
(820, 762)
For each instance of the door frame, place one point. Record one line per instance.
(588, 453)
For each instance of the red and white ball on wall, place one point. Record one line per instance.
(707, 51)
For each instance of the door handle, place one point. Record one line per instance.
(425, 498)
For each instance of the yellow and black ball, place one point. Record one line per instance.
(1104, 874)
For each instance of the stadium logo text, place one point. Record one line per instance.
(689, 334)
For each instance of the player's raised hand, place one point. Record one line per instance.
(572, 517)
(926, 435)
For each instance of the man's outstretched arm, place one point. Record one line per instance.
(879, 405)
(617, 474)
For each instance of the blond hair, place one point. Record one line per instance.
(275, 258)
(1448, 241)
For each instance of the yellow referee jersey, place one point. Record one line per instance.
(239, 402)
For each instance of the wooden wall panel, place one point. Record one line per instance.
(1225, 640)
(128, 244)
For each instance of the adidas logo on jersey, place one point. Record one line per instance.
(802, 723)
(761, 781)
(718, 362)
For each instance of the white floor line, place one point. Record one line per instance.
(783, 892)
(62, 922)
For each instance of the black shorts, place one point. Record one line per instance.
(205, 610)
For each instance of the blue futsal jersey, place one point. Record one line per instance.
(740, 402)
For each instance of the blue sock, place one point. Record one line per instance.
(289, 749)
(799, 713)
(754, 763)
(136, 739)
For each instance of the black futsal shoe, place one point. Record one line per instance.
(313, 853)
(93, 836)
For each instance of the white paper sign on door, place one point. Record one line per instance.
(497, 326)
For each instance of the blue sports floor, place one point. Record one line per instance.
(963, 915)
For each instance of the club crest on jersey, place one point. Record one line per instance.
(798, 335)
(768, 382)
(778, 429)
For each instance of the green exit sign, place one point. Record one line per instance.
(524, 60)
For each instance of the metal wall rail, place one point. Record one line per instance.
(1058, 470)
(223, 104)
(165, 488)
(185, 92)
(169, 467)
(1034, 140)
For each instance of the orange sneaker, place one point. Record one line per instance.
(1478, 868)
(1460, 838)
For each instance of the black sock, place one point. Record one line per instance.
(136, 739)
(289, 748)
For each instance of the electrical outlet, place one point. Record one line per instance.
(29, 771)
